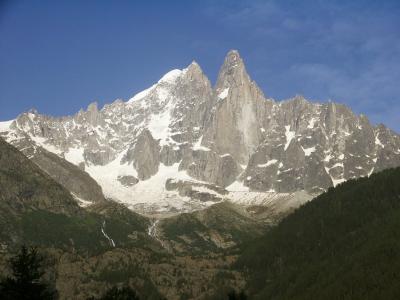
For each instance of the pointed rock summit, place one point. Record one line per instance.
(194, 65)
(194, 72)
(92, 107)
(233, 59)
(242, 105)
(233, 72)
(92, 114)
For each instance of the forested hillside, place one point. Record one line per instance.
(345, 244)
(90, 250)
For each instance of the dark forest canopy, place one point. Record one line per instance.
(345, 244)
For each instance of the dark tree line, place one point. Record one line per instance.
(118, 293)
(26, 280)
(345, 244)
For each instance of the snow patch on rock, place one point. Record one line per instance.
(378, 141)
(237, 186)
(268, 163)
(74, 155)
(223, 94)
(172, 76)
(289, 136)
(308, 151)
(159, 126)
(141, 94)
(198, 146)
(5, 126)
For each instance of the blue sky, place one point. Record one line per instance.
(58, 56)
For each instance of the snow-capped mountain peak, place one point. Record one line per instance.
(177, 144)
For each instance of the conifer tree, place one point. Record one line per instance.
(26, 280)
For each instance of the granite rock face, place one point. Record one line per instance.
(229, 135)
(146, 155)
(241, 109)
(209, 166)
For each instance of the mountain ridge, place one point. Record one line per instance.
(229, 135)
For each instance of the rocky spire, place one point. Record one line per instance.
(233, 72)
(194, 72)
(92, 114)
(92, 107)
(194, 66)
(242, 110)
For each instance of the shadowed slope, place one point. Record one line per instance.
(344, 244)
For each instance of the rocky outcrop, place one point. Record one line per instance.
(209, 166)
(128, 180)
(69, 175)
(146, 157)
(195, 190)
(387, 148)
(193, 104)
